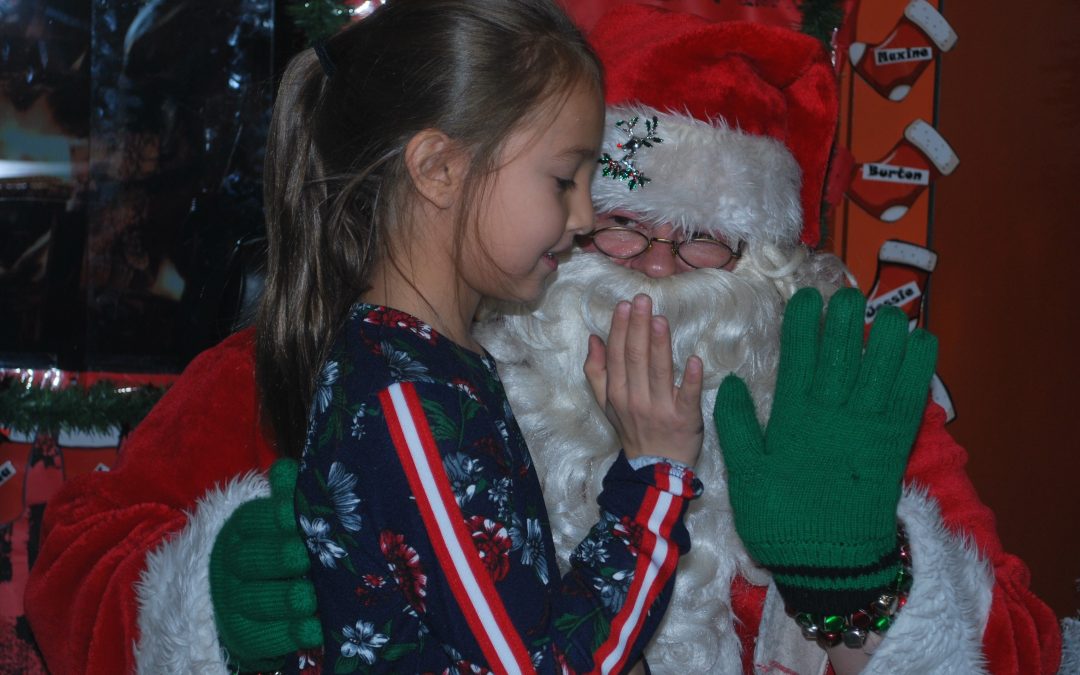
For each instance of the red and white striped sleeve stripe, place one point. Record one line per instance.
(656, 563)
(469, 580)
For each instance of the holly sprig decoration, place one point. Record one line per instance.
(99, 408)
(624, 168)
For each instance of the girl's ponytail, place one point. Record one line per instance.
(292, 321)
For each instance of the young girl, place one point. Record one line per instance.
(434, 154)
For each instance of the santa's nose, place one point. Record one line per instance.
(660, 260)
(657, 262)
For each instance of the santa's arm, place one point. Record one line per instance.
(122, 565)
(970, 609)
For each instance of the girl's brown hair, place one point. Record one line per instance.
(335, 176)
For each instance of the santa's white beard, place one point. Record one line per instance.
(731, 320)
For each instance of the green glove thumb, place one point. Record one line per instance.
(737, 426)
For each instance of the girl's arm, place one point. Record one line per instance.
(431, 548)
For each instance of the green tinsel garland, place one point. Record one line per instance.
(97, 409)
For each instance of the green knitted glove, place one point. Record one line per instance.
(815, 495)
(264, 607)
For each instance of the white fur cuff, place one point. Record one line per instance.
(949, 603)
(176, 615)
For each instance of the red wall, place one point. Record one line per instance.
(1005, 298)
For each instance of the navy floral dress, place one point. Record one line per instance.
(430, 545)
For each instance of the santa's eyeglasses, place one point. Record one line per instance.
(699, 251)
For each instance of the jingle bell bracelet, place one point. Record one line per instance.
(853, 629)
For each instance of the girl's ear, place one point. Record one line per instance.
(437, 167)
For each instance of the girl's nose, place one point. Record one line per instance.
(582, 217)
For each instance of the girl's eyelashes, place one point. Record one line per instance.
(565, 184)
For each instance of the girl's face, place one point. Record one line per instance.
(538, 201)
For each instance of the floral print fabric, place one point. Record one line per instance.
(430, 545)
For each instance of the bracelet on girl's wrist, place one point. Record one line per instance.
(852, 630)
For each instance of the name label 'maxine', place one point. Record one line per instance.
(884, 57)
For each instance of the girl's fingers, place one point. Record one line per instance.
(661, 370)
(596, 370)
(638, 337)
(688, 395)
(615, 361)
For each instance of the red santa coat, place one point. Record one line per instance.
(120, 584)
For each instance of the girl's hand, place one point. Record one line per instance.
(633, 380)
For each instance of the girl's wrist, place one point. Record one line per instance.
(647, 460)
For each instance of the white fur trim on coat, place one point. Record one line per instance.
(705, 178)
(941, 627)
(1070, 648)
(176, 615)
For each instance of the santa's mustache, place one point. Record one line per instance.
(728, 319)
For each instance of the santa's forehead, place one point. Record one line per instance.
(698, 175)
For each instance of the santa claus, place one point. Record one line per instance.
(724, 130)
(708, 194)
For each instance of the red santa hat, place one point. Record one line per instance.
(745, 118)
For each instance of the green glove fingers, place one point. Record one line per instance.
(264, 608)
(277, 600)
(841, 347)
(737, 425)
(815, 496)
(280, 620)
(913, 382)
(282, 476)
(881, 363)
(263, 517)
(799, 342)
(281, 637)
(267, 558)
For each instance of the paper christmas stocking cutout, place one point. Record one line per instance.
(939, 394)
(903, 273)
(888, 187)
(902, 277)
(893, 65)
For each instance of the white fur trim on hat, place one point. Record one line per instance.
(176, 615)
(705, 178)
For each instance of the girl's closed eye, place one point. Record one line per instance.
(565, 184)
